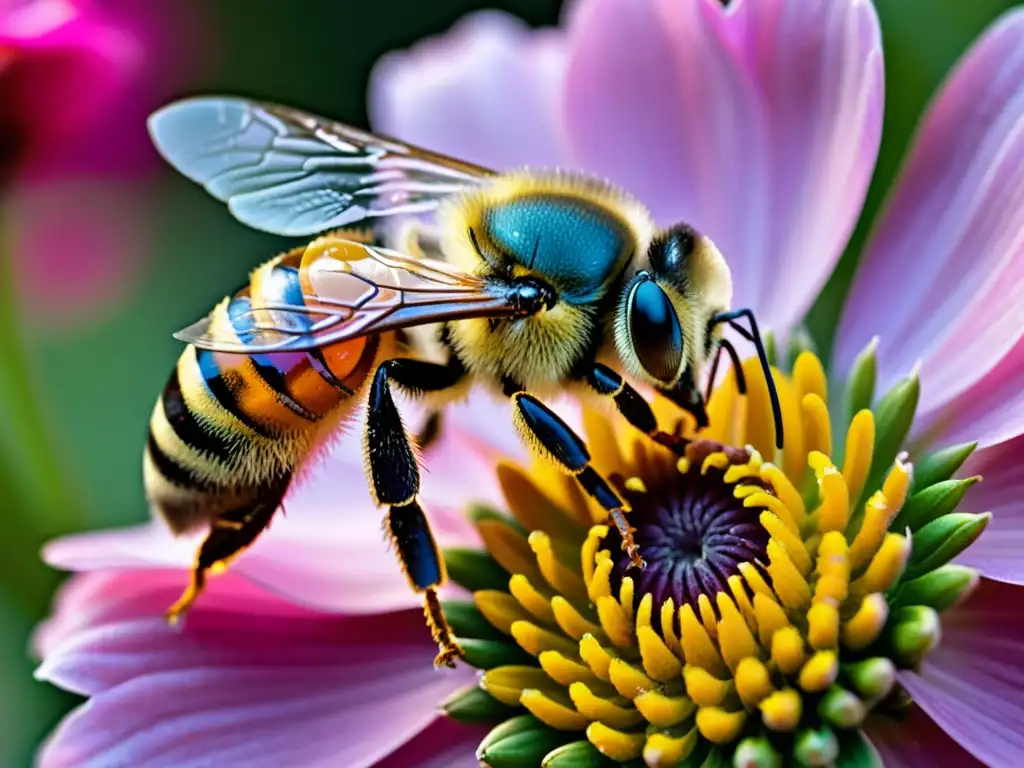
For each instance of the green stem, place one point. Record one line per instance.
(37, 504)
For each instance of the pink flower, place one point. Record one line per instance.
(759, 123)
(77, 79)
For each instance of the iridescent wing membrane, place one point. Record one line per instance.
(349, 289)
(290, 173)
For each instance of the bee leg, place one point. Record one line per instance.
(429, 431)
(632, 406)
(229, 535)
(395, 481)
(737, 367)
(549, 436)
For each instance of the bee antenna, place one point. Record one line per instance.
(754, 335)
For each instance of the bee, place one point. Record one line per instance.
(530, 283)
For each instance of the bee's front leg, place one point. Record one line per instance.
(552, 438)
(395, 482)
(631, 404)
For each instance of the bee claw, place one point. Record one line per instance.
(448, 655)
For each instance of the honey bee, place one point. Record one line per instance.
(531, 283)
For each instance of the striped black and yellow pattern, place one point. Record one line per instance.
(228, 426)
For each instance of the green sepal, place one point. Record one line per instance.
(756, 752)
(718, 757)
(578, 754)
(873, 679)
(941, 465)
(511, 727)
(894, 415)
(479, 512)
(856, 751)
(525, 749)
(931, 503)
(841, 708)
(488, 654)
(941, 540)
(815, 747)
(860, 387)
(914, 633)
(940, 589)
(465, 620)
(800, 341)
(474, 569)
(475, 706)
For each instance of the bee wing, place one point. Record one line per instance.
(350, 289)
(290, 173)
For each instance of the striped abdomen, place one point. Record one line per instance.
(228, 426)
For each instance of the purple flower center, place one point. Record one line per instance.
(694, 534)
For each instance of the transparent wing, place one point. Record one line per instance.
(350, 289)
(287, 172)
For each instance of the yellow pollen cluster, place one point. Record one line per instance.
(782, 646)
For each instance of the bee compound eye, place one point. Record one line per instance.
(654, 331)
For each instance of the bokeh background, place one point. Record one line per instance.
(105, 252)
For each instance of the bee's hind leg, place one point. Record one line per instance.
(230, 534)
(549, 436)
(395, 482)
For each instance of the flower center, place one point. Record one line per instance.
(694, 534)
(779, 603)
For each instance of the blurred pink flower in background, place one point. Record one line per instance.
(760, 124)
(77, 79)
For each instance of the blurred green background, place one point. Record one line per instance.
(77, 385)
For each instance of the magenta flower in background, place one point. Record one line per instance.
(77, 79)
(311, 650)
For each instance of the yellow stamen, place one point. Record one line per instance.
(866, 624)
(698, 650)
(770, 618)
(790, 541)
(860, 445)
(790, 586)
(664, 751)
(833, 569)
(809, 376)
(595, 538)
(753, 681)
(781, 711)
(788, 650)
(707, 615)
(817, 429)
(704, 688)
(761, 499)
(819, 672)
(571, 621)
(835, 498)
(596, 657)
(739, 594)
(558, 575)
(552, 712)
(760, 428)
(508, 547)
(596, 708)
(719, 726)
(897, 483)
(600, 584)
(755, 580)
(664, 711)
(877, 515)
(532, 600)
(615, 623)
(626, 598)
(785, 491)
(668, 626)
(714, 461)
(886, 566)
(615, 744)
(507, 684)
(823, 626)
(658, 660)
(534, 640)
(500, 608)
(735, 640)
(628, 680)
(563, 670)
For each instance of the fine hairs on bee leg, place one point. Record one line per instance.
(548, 435)
(230, 534)
(754, 335)
(631, 404)
(395, 482)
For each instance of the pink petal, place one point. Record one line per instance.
(759, 123)
(970, 685)
(916, 742)
(327, 549)
(997, 553)
(487, 91)
(248, 680)
(941, 282)
(442, 744)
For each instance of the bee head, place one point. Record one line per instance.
(648, 332)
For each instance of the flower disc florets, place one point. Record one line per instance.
(773, 615)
